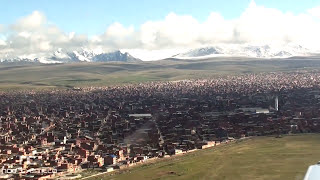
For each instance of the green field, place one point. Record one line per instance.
(257, 158)
(41, 76)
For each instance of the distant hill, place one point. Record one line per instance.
(27, 74)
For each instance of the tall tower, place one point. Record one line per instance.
(276, 103)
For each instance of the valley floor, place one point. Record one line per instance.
(48, 76)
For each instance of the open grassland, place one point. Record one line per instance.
(37, 76)
(257, 158)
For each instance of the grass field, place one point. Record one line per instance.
(43, 76)
(261, 158)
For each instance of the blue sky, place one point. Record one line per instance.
(94, 16)
(36, 28)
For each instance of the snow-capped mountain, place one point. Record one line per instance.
(117, 55)
(83, 55)
(265, 51)
(97, 55)
(205, 51)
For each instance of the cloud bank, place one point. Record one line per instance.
(33, 35)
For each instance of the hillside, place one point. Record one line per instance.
(102, 74)
(273, 158)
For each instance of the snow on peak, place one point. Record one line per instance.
(80, 55)
(204, 51)
(256, 51)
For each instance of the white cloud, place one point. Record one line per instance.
(2, 37)
(71, 35)
(33, 35)
(2, 43)
(256, 25)
(315, 12)
(115, 37)
(173, 31)
(30, 22)
(117, 30)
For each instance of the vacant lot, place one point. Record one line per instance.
(257, 158)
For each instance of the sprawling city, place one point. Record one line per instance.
(47, 134)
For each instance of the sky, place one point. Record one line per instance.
(34, 27)
(94, 16)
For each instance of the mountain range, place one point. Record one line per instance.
(87, 55)
(265, 51)
(83, 55)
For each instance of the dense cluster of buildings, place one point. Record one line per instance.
(45, 134)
